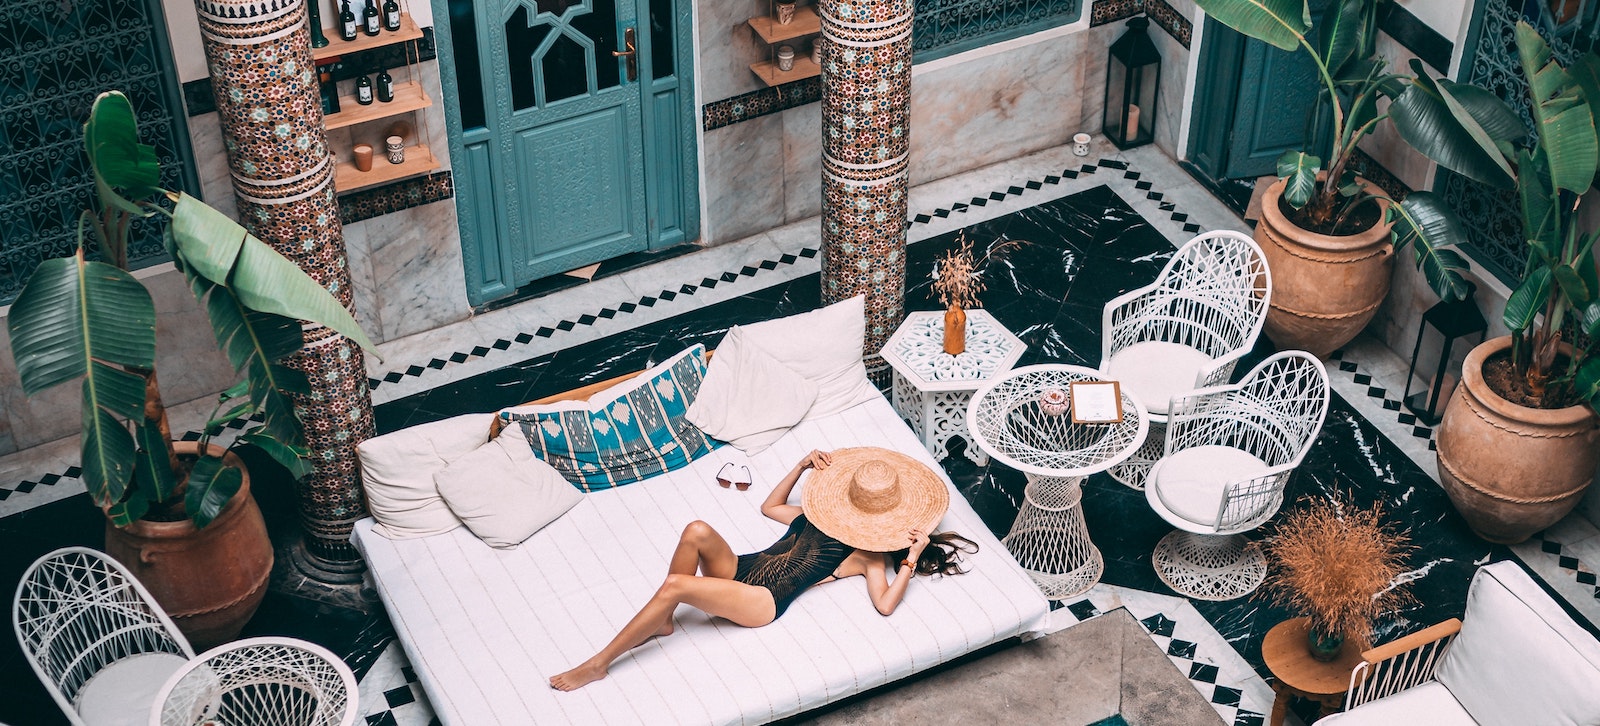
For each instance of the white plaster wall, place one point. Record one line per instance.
(1448, 17)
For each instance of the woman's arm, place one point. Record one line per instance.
(886, 596)
(777, 505)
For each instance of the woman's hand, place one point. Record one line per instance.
(817, 459)
(919, 542)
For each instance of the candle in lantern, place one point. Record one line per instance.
(1131, 131)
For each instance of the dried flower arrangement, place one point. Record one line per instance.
(958, 277)
(1338, 565)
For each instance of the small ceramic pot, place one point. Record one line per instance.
(785, 13)
(396, 148)
(785, 58)
(1080, 144)
(1053, 401)
(816, 51)
(363, 154)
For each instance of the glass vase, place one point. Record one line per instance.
(1324, 646)
(955, 330)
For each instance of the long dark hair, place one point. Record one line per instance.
(942, 555)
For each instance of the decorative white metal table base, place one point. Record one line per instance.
(1133, 470)
(936, 417)
(1209, 566)
(1051, 541)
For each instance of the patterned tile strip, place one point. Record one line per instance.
(397, 196)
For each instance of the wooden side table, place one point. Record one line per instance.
(1296, 673)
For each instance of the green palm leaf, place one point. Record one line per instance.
(1425, 222)
(1280, 23)
(1567, 137)
(255, 343)
(119, 161)
(1458, 135)
(153, 468)
(1299, 171)
(1341, 33)
(1527, 300)
(210, 487)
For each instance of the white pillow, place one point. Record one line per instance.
(503, 493)
(824, 346)
(749, 399)
(398, 472)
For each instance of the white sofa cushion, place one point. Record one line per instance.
(1154, 371)
(503, 493)
(122, 693)
(398, 470)
(1192, 482)
(1520, 659)
(825, 346)
(1430, 703)
(749, 398)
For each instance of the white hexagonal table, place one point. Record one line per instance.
(932, 388)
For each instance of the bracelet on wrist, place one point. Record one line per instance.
(908, 563)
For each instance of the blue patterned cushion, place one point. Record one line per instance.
(629, 432)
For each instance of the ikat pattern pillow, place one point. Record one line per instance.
(626, 433)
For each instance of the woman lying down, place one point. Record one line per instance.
(865, 511)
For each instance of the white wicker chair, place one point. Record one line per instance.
(1184, 331)
(1229, 452)
(259, 682)
(95, 636)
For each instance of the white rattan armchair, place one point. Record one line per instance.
(1184, 331)
(1405, 663)
(1228, 453)
(259, 682)
(95, 636)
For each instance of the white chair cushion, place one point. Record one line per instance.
(825, 346)
(749, 398)
(503, 493)
(1192, 482)
(398, 471)
(1520, 659)
(1429, 703)
(121, 693)
(1154, 371)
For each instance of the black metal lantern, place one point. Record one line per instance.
(1133, 78)
(1442, 325)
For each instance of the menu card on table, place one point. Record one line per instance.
(1096, 402)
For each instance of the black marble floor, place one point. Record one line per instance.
(1054, 267)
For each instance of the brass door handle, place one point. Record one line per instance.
(632, 54)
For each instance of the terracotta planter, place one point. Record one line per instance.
(1511, 470)
(210, 581)
(1325, 289)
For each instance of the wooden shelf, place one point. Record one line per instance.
(806, 22)
(770, 75)
(338, 46)
(419, 160)
(408, 97)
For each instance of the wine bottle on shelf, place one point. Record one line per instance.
(370, 17)
(391, 15)
(329, 89)
(364, 91)
(347, 22)
(314, 8)
(385, 86)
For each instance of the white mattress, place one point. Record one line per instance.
(485, 628)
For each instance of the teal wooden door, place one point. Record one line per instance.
(564, 119)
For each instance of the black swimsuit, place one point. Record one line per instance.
(803, 557)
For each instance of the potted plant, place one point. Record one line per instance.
(179, 514)
(1328, 234)
(1520, 440)
(1335, 564)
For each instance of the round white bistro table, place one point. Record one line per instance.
(932, 387)
(1049, 537)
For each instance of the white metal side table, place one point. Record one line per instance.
(1009, 422)
(932, 388)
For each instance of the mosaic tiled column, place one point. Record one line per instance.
(866, 123)
(265, 84)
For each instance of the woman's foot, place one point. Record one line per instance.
(578, 677)
(665, 629)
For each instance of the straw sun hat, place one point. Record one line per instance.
(869, 498)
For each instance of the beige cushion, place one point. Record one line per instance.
(123, 692)
(1520, 659)
(398, 471)
(825, 346)
(749, 399)
(1154, 372)
(1192, 482)
(1429, 703)
(503, 493)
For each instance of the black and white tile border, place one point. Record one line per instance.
(1388, 398)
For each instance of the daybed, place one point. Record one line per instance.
(485, 628)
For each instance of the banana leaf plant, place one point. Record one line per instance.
(1342, 45)
(1558, 299)
(80, 319)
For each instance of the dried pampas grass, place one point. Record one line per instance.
(958, 278)
(1337, 565)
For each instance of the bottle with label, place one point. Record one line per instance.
(370, 18)
(391, 15)
(385, 86)
(364, 91)
(347, 22)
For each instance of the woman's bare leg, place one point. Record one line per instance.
(701, 549)
(746, 605)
